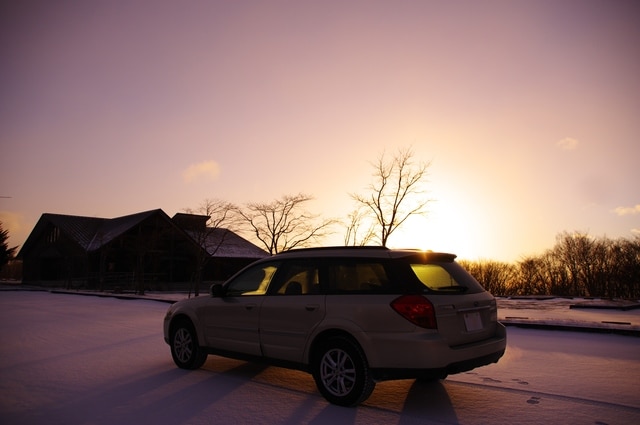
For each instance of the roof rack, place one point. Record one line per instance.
(347, 247)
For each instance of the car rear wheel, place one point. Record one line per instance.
(185, 350)
(342, 374)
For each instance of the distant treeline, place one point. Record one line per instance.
(578, 266)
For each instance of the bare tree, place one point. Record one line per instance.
(217, 217)
(396, 193)
(359, 230)
(494, 276)
(580, 265)
(576, 253)
(625, 282)
(283, 224)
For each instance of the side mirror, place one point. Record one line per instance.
(216, 290)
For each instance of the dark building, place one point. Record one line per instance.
(147, 250)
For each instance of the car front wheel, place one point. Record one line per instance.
(185, 350)
(342, 374)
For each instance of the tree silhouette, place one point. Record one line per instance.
(6, 253)
(359, 230)
(396, 193)
(578, 266)
(283, 224)
(218, 215)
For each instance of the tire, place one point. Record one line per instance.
(186, 352)
(342, 374)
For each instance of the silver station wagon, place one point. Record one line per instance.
(350, 316)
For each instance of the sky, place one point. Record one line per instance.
(527, 112)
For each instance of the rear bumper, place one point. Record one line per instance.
(436, 373)
(432, 358)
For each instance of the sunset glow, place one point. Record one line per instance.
(528, 111)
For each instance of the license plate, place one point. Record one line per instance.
(472, 321)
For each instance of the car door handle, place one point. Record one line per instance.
(311, 307)
(249, 306)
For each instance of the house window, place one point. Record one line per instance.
(53, 235)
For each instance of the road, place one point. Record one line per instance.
(68, 359)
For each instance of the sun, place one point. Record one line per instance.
(446, 228)
(456, 222)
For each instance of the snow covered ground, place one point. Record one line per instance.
(67, 359)
(571, 313)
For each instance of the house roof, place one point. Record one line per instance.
(79, 229)
(92, 233)
(223, 243)
(112, 228)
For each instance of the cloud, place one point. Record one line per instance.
(567, 144)
(627, 210)
(209, 170)
(635, 232)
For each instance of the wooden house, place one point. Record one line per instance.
(143, 250)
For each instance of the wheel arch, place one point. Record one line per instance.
(313, 352)
(184, 318)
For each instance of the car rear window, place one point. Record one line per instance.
(448, 278)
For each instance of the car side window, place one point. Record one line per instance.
(358, 276)
(297, 278)
(253, 281)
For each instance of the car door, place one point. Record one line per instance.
(232, 321)
(293, 307)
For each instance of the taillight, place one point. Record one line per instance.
(416, 309)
